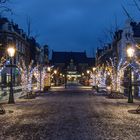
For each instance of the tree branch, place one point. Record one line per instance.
(127, 13)
(3, 1)
(136, 4)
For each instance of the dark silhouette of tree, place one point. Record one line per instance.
(127, 13)
(137, 4)
(3, 7)
(30, 33)
(28, 20)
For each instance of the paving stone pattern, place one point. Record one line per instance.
(70, 115)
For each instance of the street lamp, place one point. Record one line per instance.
(93, 69)
(49, 77)
(47, 80)
(88, 76)
(11, 52)
(55, 72)
(49, 69)
(88, 71)
(94, 78)
(130, 54)
(65, 78)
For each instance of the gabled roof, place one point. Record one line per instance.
(66, 57)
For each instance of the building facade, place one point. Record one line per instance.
(72, 65)
(26, 47)
(117, 52)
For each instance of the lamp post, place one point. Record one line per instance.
(40, 70)
(55, 73)
(130, 54)
(65, 78)
(88, 76)
(94, 80)
(49, 77)
(11, 53)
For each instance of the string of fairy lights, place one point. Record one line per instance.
(112, 70)
(115, 72)
(27, 74)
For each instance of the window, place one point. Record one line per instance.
(9, 27)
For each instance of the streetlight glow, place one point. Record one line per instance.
(130, 52)
(93, 68)
(55, 71)
(11, 51)
(49, 69)
(88, 71)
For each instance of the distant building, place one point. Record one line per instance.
(26, 47)
(11, 34)
(130, 37)
(72, 64)
(117, 51)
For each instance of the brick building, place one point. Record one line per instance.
(26, 48)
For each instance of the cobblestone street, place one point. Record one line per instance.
(70, 115)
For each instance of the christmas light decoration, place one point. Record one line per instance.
(116, 73)
(26, 75)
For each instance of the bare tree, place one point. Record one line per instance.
(109, 34)
(3, 7)
(28, 20)
(137, 4)
(29, 29)
(101, 42)
(3, 1)
(127, 13)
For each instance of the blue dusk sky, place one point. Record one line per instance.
(71, 25)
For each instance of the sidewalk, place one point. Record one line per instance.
(4, 94)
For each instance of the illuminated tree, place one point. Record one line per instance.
(116, 71)
(26, 73)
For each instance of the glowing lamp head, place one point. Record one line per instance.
(108, 88)
(130, 52)
(55, 71)
(93, 68)
(88, 71)
(11, 51)
(108, 73)
(82, 74)
(49, 69)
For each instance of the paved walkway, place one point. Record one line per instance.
(70, 115)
